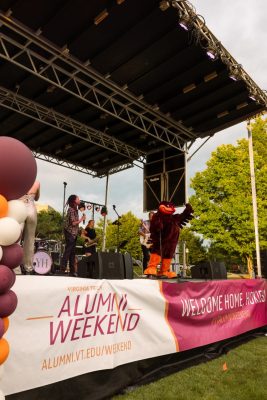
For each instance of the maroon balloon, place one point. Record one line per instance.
(12, 255)
(8, 303)
(17, 168)
(6, 278)
(2, 328)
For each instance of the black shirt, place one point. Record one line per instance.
(90, 233)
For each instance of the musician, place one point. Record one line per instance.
(71, 229)
(90, 239)
(29, 227)
(144, 233)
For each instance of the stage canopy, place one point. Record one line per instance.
(96, 85)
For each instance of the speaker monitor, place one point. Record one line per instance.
(128, 266)
(103, 265)
(209, 270)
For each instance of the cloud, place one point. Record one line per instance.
(240, 25)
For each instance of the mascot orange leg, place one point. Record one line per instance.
(165, 269)
(152, 265)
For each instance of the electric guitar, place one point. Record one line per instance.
(145, 240)
(90, 242)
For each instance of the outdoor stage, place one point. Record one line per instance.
(73, 337)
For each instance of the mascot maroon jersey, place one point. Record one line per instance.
(165, 228)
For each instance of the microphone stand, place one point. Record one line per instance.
(63, 216)
(118, 229)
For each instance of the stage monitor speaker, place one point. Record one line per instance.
(128, 266)
(209, 270)
(102, 265)
(164, 178)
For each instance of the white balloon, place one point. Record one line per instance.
(17, 210)
(1, 253)
(2, 396)
(9, 231)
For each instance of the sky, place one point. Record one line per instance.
(241, 27)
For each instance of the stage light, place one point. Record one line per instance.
(211, 76)
(100, 17)
(89, 207)
(253, 95)
(223, 114)
(104, 211)
(241, 105)
(164, 5)
(234, 72)
(97, 208)
(189, 88)
(185, 23)
(212, 53)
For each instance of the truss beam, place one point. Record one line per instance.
(206, 39)
(77, 167)
(59, 121)
(63, 163)
(56, 66)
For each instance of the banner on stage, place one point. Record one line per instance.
(65, 327)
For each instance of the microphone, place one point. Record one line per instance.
(84, 215)
(114, 207)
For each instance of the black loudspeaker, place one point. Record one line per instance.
(102, 265)
(164, 178)
(128, 266)
(209, 270)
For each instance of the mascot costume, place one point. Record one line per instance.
(164, 233)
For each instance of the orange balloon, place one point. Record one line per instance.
(6, 323)
(4, 350)
(3, 206)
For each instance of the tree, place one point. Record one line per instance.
(127, 234)
(194, 244)
(223, 201)
(49, 225)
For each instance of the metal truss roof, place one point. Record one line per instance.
(96, 85)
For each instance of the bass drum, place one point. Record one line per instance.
(41, 262)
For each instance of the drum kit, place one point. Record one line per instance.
(46, 258)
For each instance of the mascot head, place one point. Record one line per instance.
(166, 207)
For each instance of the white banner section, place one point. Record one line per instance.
(64, 327)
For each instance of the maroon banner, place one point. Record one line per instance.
(200, 313)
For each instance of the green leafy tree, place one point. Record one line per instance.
(194, 243)
(127, 233)
(223, 201)
(49, 225)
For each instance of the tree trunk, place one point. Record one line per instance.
(250, 267)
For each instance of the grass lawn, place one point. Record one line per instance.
(239, 375)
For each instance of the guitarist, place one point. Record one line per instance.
(144, 233)
(90, 239)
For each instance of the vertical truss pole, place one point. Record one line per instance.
(254, 197)
(105, 216)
